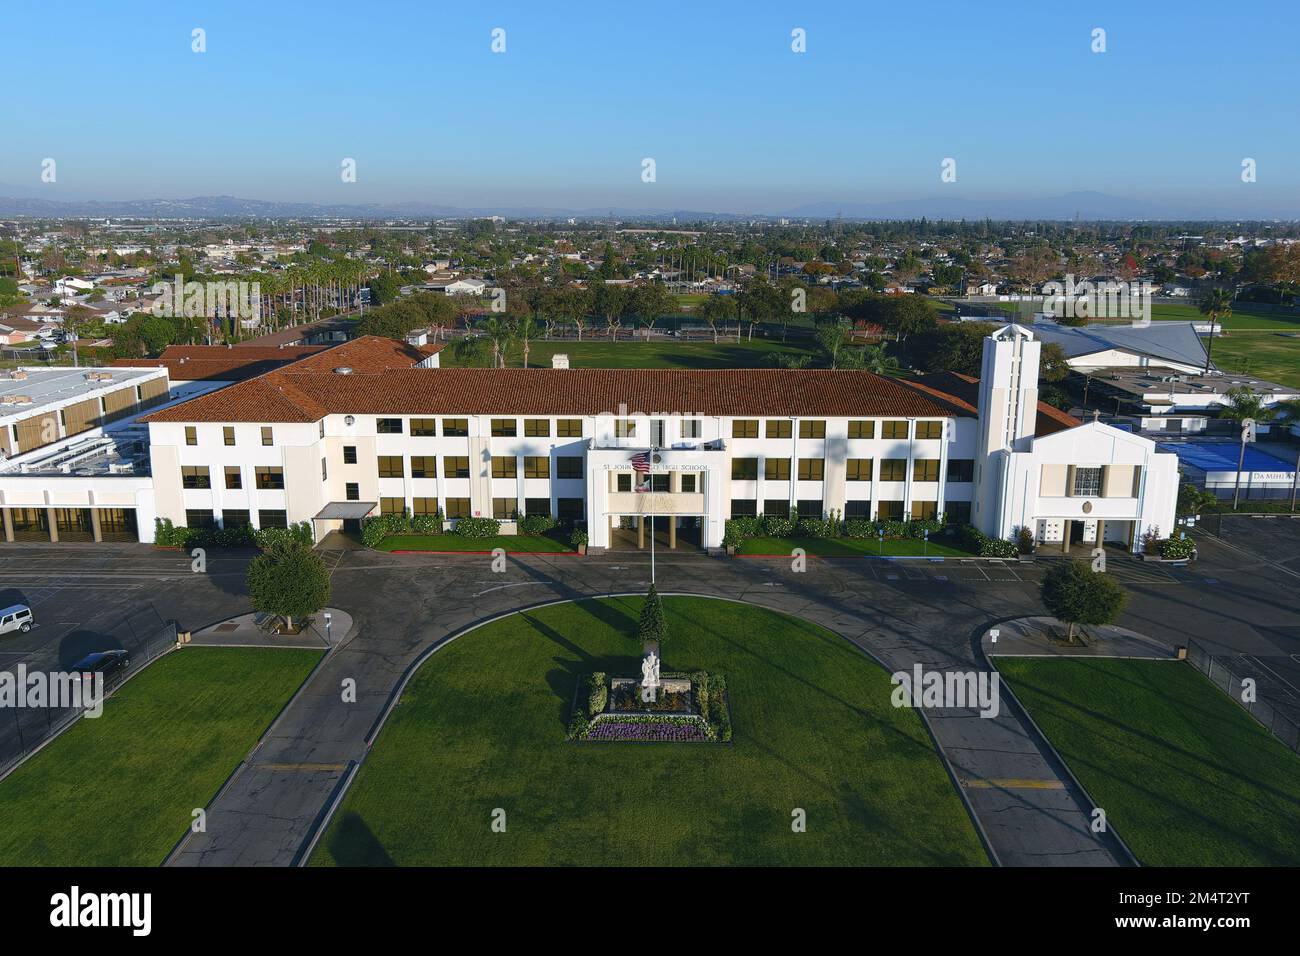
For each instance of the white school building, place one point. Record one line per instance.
(375, 426)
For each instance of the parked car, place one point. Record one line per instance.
(103, 662)
(18, 617)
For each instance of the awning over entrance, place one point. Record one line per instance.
(346, 510)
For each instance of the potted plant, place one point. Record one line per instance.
(578, 538)
(1025, 543)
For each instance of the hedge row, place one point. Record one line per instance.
(169, 535)
(775, 526)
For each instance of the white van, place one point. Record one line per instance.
(16, 618)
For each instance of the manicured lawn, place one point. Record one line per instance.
(851, 547)
(627, 353)
(1185, 775)
(456, 542)
(1269, 356)
(1243, 317)
(119, 790)
(482, 727)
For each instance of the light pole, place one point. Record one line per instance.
(1247, 434)
(329, 619)
(925, 543)
(1294, 476)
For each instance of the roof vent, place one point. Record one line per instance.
(560, 360)
(99, 376)
(15, 399)
(343, 370)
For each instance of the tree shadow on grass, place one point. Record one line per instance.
(352, 844)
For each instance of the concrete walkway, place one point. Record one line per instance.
(403, 604)
(1044, 637)
(248, 630)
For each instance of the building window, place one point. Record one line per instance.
(228, 435)
(390, 466)
(569, 509)
(455, 466)
(744, 428)
(861, 508)
(388, 426)
(568, 466)
(744, 469)
(352, 491)
(349, 454)
(505, 466)
(424, 466)
(957, 512)
(778, 428)
(424, 506)
(657, 433)
(890, 511)
(322, 428)
(812, 469)
(234, 477)
(324, 471)
(688, 484)
(235, 518)
(925, 469)
(268, 478)
(504, 508)
(812, 428)
(893, 429)
(776, 469)
(392, 506)
(424, 427)
(859, 469)
(457, 507)
(777, 507)
(862, 428)
(961, 469)
(691, 428)
(273, 519)
(929, 429)
(1087, 482)
(267, 437)
(537, 428)
(660, 483)
(624, 428)
(810, 507)
(744, 507)
(195, 476)
(504, 427)
(537, 507)
(893, 469)
(568, 428)
(624, 482)
(191, 435)
(925, 510)
(455, 427)
(195, 518)
(537, 466)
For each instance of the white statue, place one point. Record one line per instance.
(650, 670)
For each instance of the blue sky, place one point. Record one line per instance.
(711, 90)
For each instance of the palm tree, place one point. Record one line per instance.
(524, 329)
(1245, 405)
(876, 359)
(498, 331)
(1217, 304)
(1290, 411)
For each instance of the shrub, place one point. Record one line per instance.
(892, 529)
(1178, 548)
(477, 527)
(700, 684)
(597, 693)
(859, 528)
(1024, 540)
(977, 542)
(652, 626)
(378, 527)
(718, 703)
(267, 538)
(427, 524)
(777, 526)
(536, 524)
(1151, 540)
(738, 529)
(920, 526)
(577, 537)
(289, 580)
(818, 527)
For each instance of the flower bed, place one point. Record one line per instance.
(672, 729)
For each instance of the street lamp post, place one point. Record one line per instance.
(1247, 434)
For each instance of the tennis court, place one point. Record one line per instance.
(1222, 456)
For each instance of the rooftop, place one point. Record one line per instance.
(43, 387)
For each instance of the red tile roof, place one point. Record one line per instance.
(964, 390)
(384, 383)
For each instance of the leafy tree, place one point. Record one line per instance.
(833, 338)
(652, 626)
(716, 310)
(953, 347)
(384, 288)
(289, 580)
(1076, 594)
(1052, 363)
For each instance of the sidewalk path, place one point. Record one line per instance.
(1036, 637)
(245, 630)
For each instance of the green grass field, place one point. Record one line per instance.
(455, 542)
(482, 726)
(119, 790)
(1243, 317)
(1267, 355)
(628, 353)
(851, 547)
(1184, 774)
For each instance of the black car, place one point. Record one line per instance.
(103, 662)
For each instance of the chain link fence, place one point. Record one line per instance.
(1223, 676)
(143, 635)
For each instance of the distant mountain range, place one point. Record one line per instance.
(25, 202)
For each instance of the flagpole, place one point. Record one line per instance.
(650, 463)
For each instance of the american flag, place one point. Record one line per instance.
(641, 462)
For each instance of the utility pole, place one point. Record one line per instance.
(1247, 434)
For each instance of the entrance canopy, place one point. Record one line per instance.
(346, 510)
